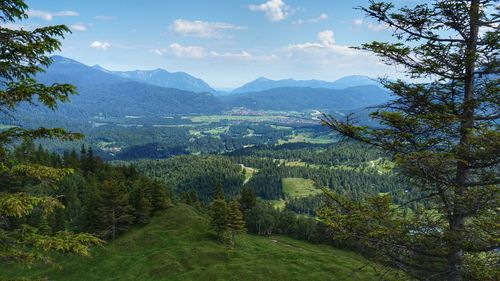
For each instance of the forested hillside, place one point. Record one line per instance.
(98, 198)
(99, 90)
(310, 98)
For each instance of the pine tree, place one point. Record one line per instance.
(248, 199)
(443, 133)
(83, 157)
(113, 210)
(143, 211)
(90, 161)
(72, 160)
(236, 223)
(219, 191)
(23, 54)
(219, 211)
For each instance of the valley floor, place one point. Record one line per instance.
(178, 245)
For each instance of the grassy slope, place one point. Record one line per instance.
(299, 187)
(177, 245)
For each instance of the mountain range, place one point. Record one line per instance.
(103, 92)
(302, 98)
(163, 78)
(159, 92)
(263, 84)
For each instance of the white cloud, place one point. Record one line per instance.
(79, 27)
(241, 55)
(377, 27)
(187, 51)
(202, 29)
(48, 16)
(485, 29)
(275, 10)
(358, 22)
(324, 47)
(160, 52)
(14, 26)
(320, 18)
(326, 38)
(104, 18)
(100, 45)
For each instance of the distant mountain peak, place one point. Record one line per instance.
(262, 78)
(64, 60)
(98, 67)
(163, 78)
(263, 84)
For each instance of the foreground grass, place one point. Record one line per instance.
(178, 245)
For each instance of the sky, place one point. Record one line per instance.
(226, 43)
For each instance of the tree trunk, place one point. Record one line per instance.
(457, 219)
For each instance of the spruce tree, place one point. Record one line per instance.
(23, 54)
(236, 223)
(90, 161)
(219, 212)
(143, 211)
(248, 199)
(442, 130)
(219, 191)
(113, 210)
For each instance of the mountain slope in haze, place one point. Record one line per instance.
(163, 78)
(310, 98)
(263, 84)
(111, 95)
(179, 245)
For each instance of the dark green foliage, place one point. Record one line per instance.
(443, 133)
(27, 201)
(113, 210)
(143, 210)
(219, 211)
(342, 153)
(248, 199)
(267, 182)
(236, 222)
(201, 173)
(264, 219)
(98, 197)
(309, 98)
(306, 205)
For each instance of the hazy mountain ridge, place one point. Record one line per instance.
(103, 92)
(107, 93)
(296, 98)
(164, 78)
(264, 84)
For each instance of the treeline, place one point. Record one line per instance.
(267, 182)
(247, 213)
(98, 197)
(342, 153)
(352, 175)
(188, 173)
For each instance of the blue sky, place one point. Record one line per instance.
(226, 43)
